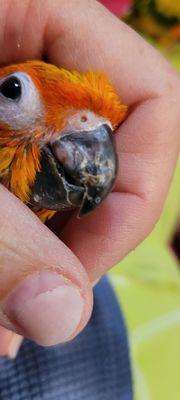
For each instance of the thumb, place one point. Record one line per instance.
(45, 293)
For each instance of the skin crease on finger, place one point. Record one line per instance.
(147, 142)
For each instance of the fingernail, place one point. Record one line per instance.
(14, 346)
(46, 306)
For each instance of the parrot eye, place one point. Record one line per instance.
(20, 102)
(11, 88)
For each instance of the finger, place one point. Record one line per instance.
(44, 291)
(135, 68)
(9, 343)
(22, 25)
(46, 27)
(147, 143)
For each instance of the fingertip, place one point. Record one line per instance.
(47, 307)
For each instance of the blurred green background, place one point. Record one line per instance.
(147, 281)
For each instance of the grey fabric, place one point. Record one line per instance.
(94, 366)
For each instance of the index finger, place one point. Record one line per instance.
(146, 142)
(79, 36)
(86, 35)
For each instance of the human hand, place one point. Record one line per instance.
(45, 285)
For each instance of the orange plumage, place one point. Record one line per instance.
(60, 95)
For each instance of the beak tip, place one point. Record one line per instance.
(89, 205)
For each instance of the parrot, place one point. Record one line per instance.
(57, 147)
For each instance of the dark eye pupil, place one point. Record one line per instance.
(11, 88)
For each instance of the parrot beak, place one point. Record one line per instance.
(77, 170)
(89, 157)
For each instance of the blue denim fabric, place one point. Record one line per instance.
(94, 366)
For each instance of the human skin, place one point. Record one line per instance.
(46, 279)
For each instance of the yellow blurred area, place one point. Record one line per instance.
(147, 284)
(168, 7)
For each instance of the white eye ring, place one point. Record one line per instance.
(21, 105)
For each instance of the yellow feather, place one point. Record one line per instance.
(23, 172)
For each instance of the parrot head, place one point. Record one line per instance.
(57, 149)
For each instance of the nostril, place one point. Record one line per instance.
(84, 118)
